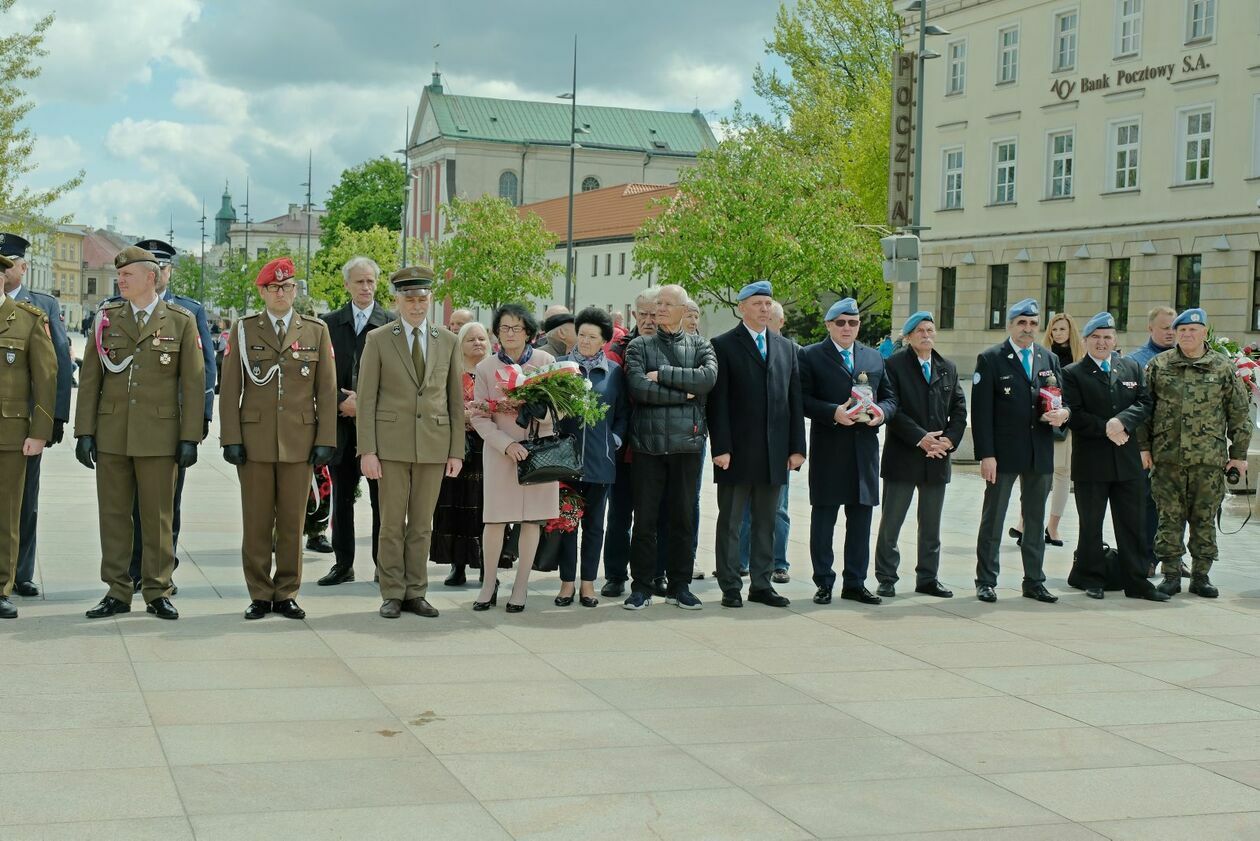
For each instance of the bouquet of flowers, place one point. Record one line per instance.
(572, 507)
(559, 385)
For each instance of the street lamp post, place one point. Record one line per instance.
(568, 251)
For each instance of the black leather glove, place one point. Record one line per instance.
(530, 412)
(234, 454)
(59, 431)
(322, 455)
(205, 429)
(85, 451)
(186, 454)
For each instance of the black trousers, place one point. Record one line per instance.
(761, 501)
(1128, 521)
(137, 537)
(592, 528)
(345, 482)
(28, 521)
(620, 521)
(670, 480)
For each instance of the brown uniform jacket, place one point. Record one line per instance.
(297, 409)
(400, 419)
(28, 375)
(155, 402)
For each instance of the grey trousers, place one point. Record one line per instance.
(762, 503)
(1033, 490)
(29, 521)
(895, 505)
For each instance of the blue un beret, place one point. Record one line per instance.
(1028, 306)
(1102, 321)
(845, 306)
(913, 321)
(757, 287)
(1191, 316)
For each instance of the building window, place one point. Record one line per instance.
(1255, 296)
(1118, 292)
(621, 263)
(953, 185)
(91, 286)
(589, 183)
(1189, 272)
(997, 296)
(949, 292)
(1124, 138)
(508, 185)
(1200, 20)
(1056, 287)
(1195, 125)
(594, 265)
(1128, 27)
(426, 190)
(1004, 172)
(1061, 159)
(607, 265)
(1008, 55)
(956, 73)
(1065, 40)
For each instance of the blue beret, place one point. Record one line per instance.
(913, 321)
(757, 287)
(1028, 306)
(158, 248)
(845, 306)
(1191, 316)
(1102, 321)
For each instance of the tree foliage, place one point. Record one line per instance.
(378, 243)
(493, 256)
(19, 63)
(367, 196)
(233, 288)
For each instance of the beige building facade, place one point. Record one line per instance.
(1097, 154)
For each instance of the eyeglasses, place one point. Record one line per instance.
(280, 288)
(846, 322)
(423, 294)
(510, 330)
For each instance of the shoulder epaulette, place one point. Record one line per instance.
(31, 308)
(113, 304)
(171, 305)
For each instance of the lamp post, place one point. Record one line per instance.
(571, 95)
(923, 55)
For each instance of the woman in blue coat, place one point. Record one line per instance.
(599, 451)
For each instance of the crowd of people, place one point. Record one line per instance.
(310, 407)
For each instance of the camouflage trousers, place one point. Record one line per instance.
(1187, 496)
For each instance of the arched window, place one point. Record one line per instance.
(589, 183)
(508, 186)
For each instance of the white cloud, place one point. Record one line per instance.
(56, 156)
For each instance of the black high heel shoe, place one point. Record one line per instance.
(494, 599)
(564, 601)
(1053, 541)
(513, 608)
(588, 601)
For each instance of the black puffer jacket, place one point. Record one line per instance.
(669, 414)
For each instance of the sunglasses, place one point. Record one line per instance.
(846, 322)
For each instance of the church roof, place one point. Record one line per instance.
(610, 213)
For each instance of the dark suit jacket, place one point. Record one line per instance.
(922, 407)
(347, 348)
(839, 455)
(1006, 409)
(1095, 398)
(755, 411)
(61, 344)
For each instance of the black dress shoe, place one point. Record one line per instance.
(1151, 595)
(1040, 593)
(985, 593)
(886, 590)
(257, 609)
(7, 610)
(732, 598)
(457, 578)
(162, 608)
(337, 575)
(822, 595)
(288, 608)
(1053, 541)
(26, 588)
(392, 608)
(1095, 593)
(860, 594)
(613, 589)
(934, 588)
(588, 601)
(420, 607)
(108, 606)
(660, 587)
(768, 597)
(320, 544)
(564, 601)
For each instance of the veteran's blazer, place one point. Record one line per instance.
(1095, 397)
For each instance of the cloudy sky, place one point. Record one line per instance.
(163, 101)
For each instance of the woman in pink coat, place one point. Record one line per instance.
(505, 500)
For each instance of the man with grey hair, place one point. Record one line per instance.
(458, 319)
(348, 328)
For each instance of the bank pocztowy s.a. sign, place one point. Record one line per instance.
(1065, 88)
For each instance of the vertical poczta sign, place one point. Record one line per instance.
(901, 147)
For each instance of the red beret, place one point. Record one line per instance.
(277, 271)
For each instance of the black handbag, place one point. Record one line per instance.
(552, 458)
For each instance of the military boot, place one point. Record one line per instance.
(1171, 585)
(1201, 586)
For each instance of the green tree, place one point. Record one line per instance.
(186, 277)
(19, 63)
(367, 196)
(378, 243)
(234, 289)
(491, 255)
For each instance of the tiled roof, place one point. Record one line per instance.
(100, 247)
(614, 212)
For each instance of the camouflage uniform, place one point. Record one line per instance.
(1200, 408)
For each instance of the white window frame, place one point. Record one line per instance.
(1067, 177)
(994, 175)
(1114, 148)
(1209, 10)
(1134, 19)
(960, 62)
(1003, 51)
(1058, 36)
(948, 172)
(1184, 139)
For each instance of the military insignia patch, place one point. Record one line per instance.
(306, 370)
(975, 378)
(10, 357)
(165, 359)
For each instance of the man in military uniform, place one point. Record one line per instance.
(28, 378)
(13, 248)
(278, 411)
(1198, 431)
(139, 418)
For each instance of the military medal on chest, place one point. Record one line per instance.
(165, 359)
(10, 357)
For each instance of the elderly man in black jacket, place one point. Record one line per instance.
(931, 416)
(669, 375)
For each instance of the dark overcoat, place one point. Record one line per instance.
(922, 407)
(347, 348)
(1095, 397)
(1006, 409)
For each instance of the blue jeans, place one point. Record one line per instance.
(781, 525)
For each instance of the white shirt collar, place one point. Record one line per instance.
(754, 333)
(366, 313)
(423, 326)
(148, 311)
(841, 349)
(17, 290)
(1019, 350)
(1099, 362)
(283, 319)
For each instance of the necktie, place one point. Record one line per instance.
(927, 370)
(359, 320)
(848, 360)
(1106, 366)
(1026, 354)
(761, 344)
(141, 318)
(280, 331)
(417, 354)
